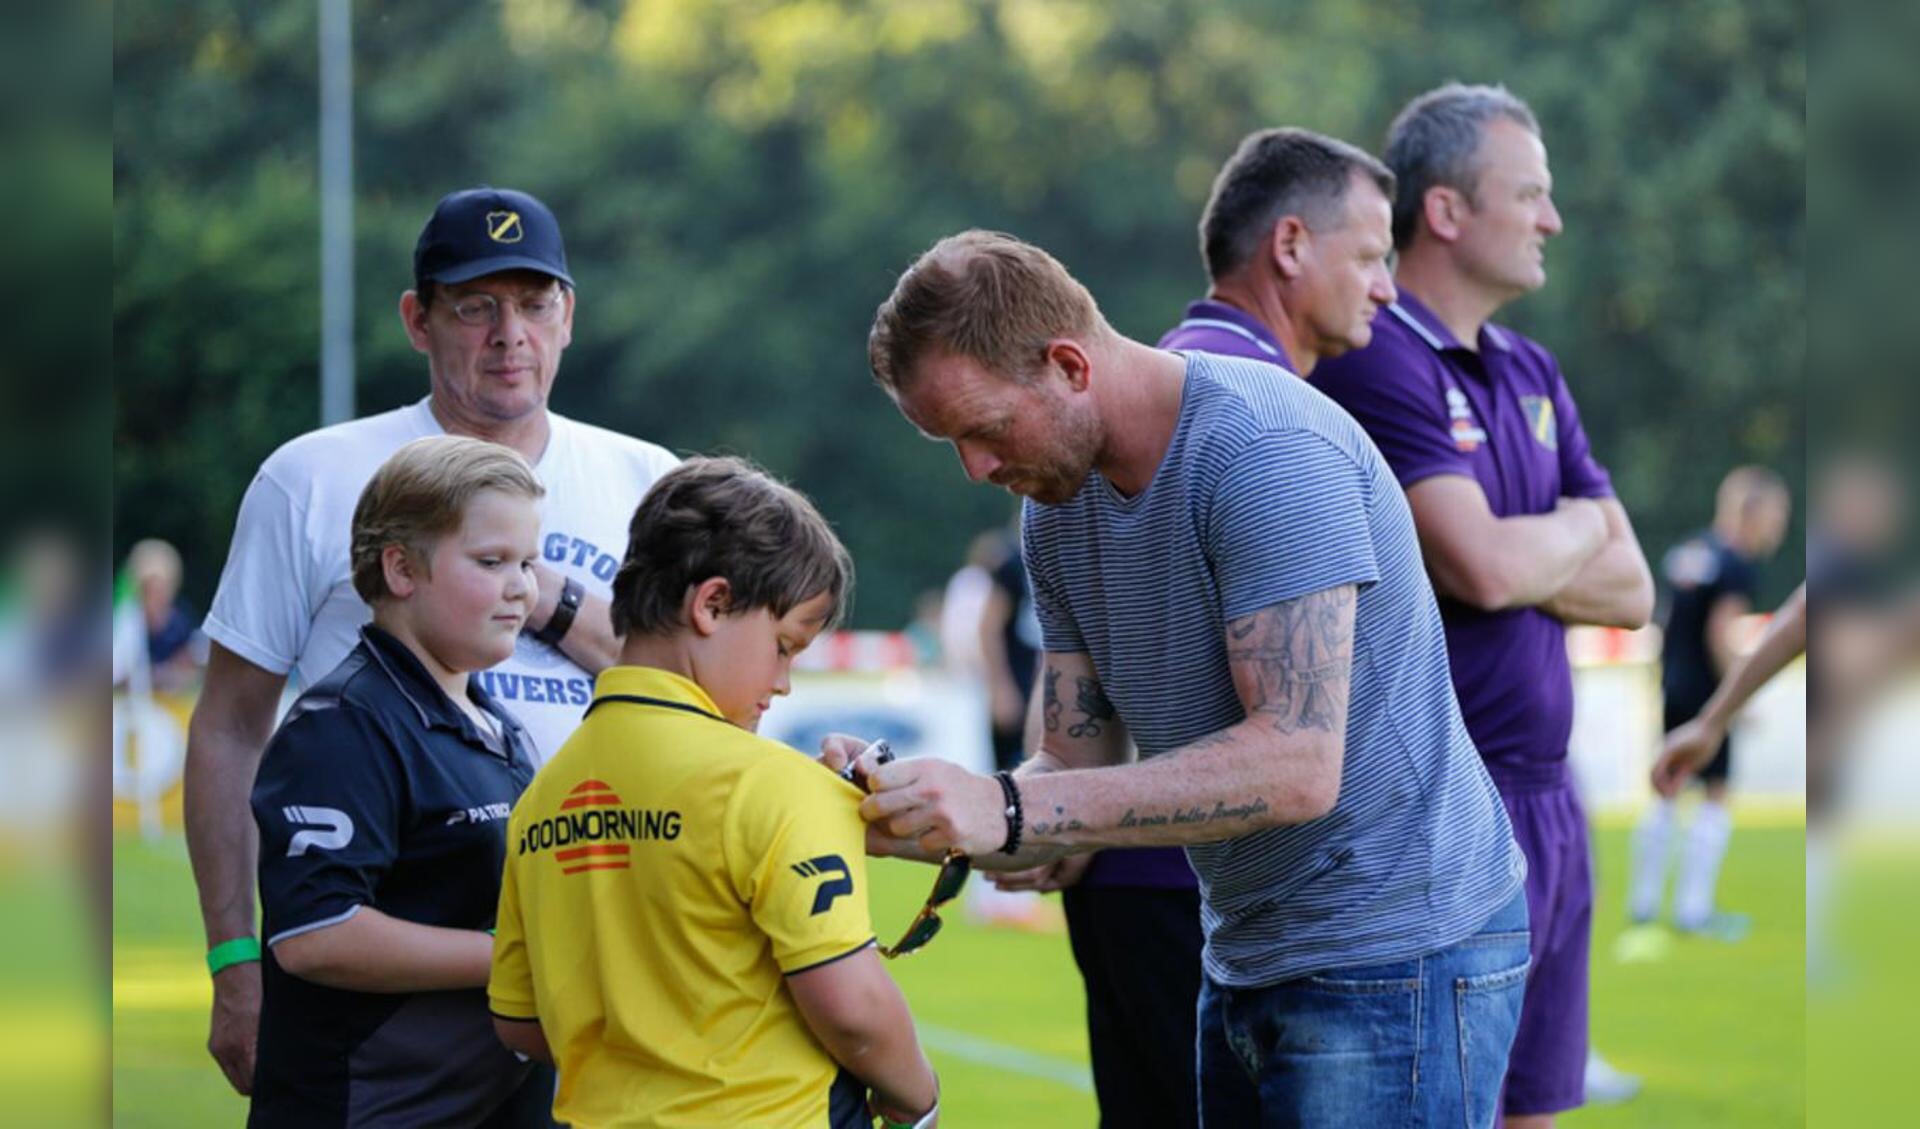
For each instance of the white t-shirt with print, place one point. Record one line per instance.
(286, 601)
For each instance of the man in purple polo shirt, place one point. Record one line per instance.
(1517, 521)
(1295, 237)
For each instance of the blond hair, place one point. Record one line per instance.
(154, 559)
(981, 295)
(420, 494)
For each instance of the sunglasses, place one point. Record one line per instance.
(926, 924)
(947, 884)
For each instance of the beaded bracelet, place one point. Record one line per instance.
(1016, 821)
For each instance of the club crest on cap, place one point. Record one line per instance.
(504, 227)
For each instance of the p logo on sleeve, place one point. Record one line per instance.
(335, 829)
(836, 880)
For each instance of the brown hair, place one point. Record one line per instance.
(1746, 490)
(982, 295)
(1277, 173)
(726, 517)
(420, 494)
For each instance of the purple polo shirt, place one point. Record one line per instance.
(1501, 416)
(1215, 327)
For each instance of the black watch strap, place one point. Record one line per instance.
(564, 609)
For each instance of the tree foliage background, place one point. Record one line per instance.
(742, 180)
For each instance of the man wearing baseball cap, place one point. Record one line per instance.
(492, 310)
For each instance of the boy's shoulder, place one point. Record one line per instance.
(777, 765)
(357, 693)
(749, 761)
(353, 721)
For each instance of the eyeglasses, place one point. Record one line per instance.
(954, 869)
(484, 309)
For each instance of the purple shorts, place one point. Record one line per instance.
(1546, 1072)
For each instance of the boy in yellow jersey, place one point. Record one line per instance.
(683, 923)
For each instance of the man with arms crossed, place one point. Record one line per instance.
(492, 310)
(1517, 521)
(1225, 571)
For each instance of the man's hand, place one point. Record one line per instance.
(837, 750)
(231, 724)
(1057, 875)
(935, 805)
(1687, 751)
(1593, 519)
(840, 752)
(236, 1023)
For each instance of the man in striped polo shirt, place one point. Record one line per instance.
(1226, 572)
(1295, 238)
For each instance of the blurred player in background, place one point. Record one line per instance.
(1712, 576)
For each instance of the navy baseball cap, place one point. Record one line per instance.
(483, 230)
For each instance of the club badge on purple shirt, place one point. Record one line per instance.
(1467, 434)
(1539, 410)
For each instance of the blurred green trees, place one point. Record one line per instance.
(742, 180)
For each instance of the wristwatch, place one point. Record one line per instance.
(564, 609)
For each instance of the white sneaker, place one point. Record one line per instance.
(1605, 1084)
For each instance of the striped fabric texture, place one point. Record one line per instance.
(1269, 492)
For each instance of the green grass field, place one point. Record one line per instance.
(1718, 1032)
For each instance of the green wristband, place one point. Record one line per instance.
(889, 1123)
(240, 950)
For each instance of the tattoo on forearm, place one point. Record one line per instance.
(1094, 707)
(1222, 812)
(1061, 821)
(1051, 710)
(1293, 661)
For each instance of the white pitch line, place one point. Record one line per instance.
(1003, 1057)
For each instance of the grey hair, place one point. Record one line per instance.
(1433, 141)
(1277, 173)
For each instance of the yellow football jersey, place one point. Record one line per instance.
(664, 871)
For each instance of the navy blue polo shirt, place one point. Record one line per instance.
(1499, 414)
(1700, 572)
(377, 791)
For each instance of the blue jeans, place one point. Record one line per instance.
(1421, 1042)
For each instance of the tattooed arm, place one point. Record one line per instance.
(1094, 736)
(1072, 723)
(1291, 665)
